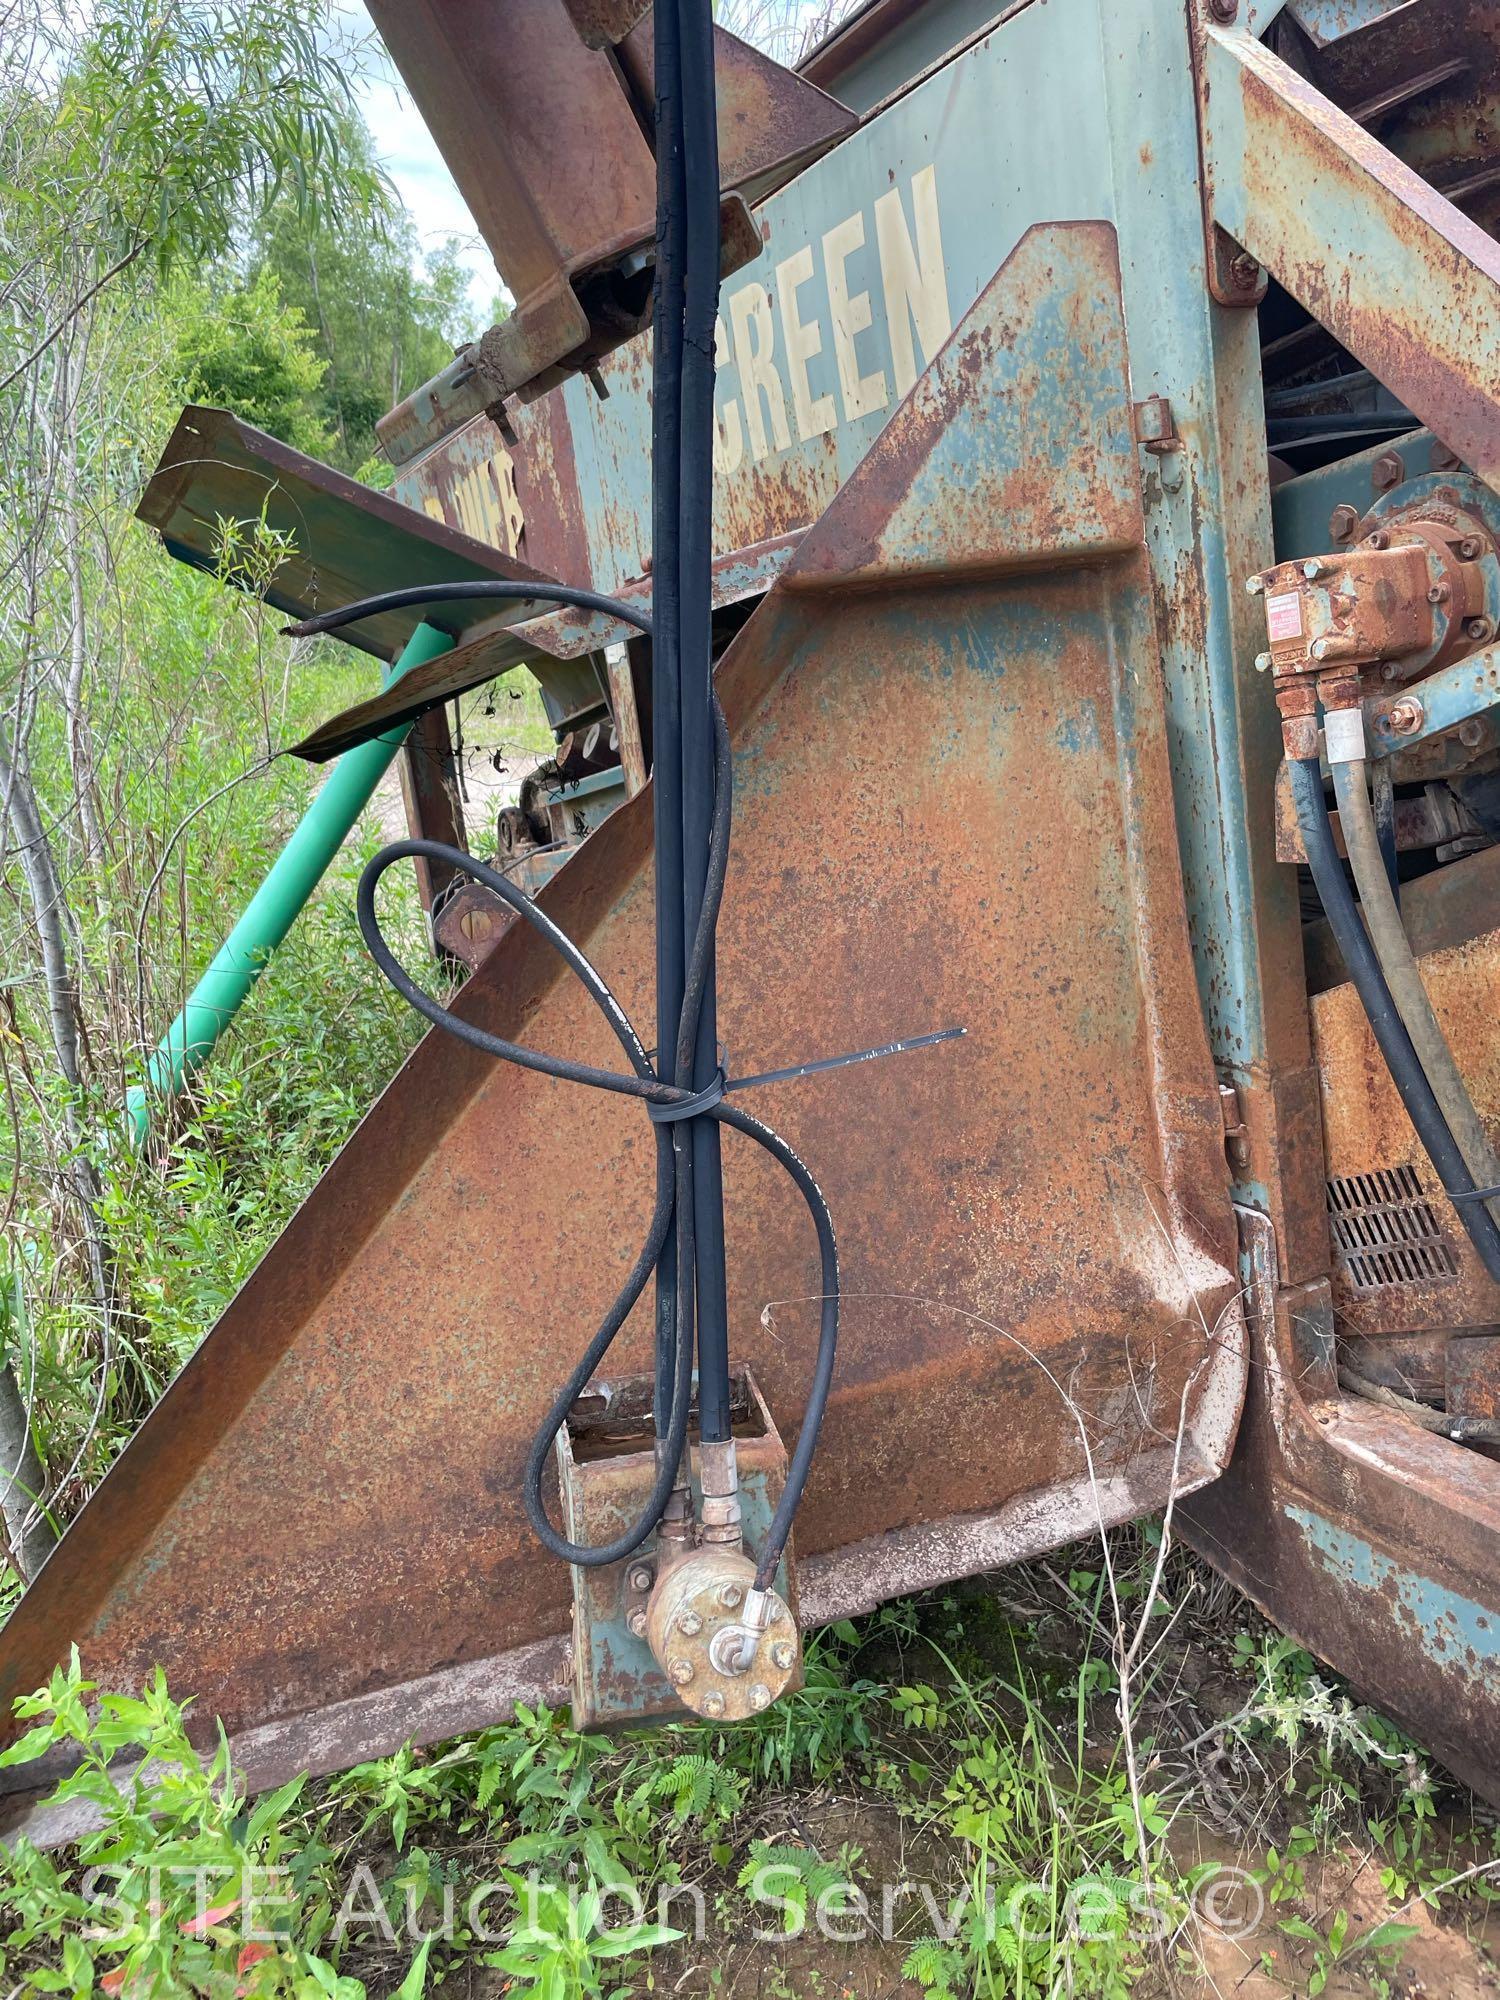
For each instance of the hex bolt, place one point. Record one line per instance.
(640, 1578)
(1262, 663)
(1468, 548)
(1479, 629)
(1387, 471)
(760, 1695)
(730, 1595)
(1245, 271)
(1319, 649)
(1223, 10)
(689, 1623)
(1342, 522)
(636, 1621)
(713, 1703)
(1312, 570)
(784, 1655)
(1255, 585)
(1406, 716)
(680, 1671)
(1471, 733)
(1439, 593)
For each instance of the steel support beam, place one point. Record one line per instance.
(1395, 273)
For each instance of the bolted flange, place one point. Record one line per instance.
(695, 1625)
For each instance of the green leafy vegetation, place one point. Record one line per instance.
(955, 1818)
(380, 326)
(151, 160)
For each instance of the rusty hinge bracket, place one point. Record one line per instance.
(1154, 425)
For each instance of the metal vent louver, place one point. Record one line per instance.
(1386, 1231)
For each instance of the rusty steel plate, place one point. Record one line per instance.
(953, 808)
(345, 541)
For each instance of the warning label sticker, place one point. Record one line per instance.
(1284, 616)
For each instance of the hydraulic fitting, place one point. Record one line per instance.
(728, 1649)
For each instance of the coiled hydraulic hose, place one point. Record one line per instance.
(644, 1083)
(1385, 1022)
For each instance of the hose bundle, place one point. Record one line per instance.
(691, 780)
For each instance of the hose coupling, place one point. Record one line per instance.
(699, 1626)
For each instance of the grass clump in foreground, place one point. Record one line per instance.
(943, 1810)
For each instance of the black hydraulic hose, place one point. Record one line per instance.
(800, 1462)
(460, 593)
(701, 770)
(643, 1083)
(1385, 1022)
(674, 1287)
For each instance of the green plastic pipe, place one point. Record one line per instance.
(276, 904)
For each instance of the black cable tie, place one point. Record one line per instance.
(713, 1093)
(688, 1107)
(1474, 1194)
(841, 1062)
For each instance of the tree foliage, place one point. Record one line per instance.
(141, 142)
(250, 352)
(381, 326)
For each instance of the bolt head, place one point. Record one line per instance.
(1342, 522)
(730, 1596)
(1255, 585)
(1312, 569)
(1378, 540)
(640, 1578)
(784, 1655)
(713, 1703)
(760, 1695)
(1319, 649)
(1263, 663)
(636, 1621)
(689, 1623)
(1223, 10)
(1387, 471)
(1479, 628)
(680, 1671)
(1438, 594)
(1405, 716)
(1468, 548)
(1471, 733)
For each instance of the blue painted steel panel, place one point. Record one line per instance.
(1453, 1631)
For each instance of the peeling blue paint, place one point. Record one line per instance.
(1453, 1631)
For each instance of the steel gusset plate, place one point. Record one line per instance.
(953, 807)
